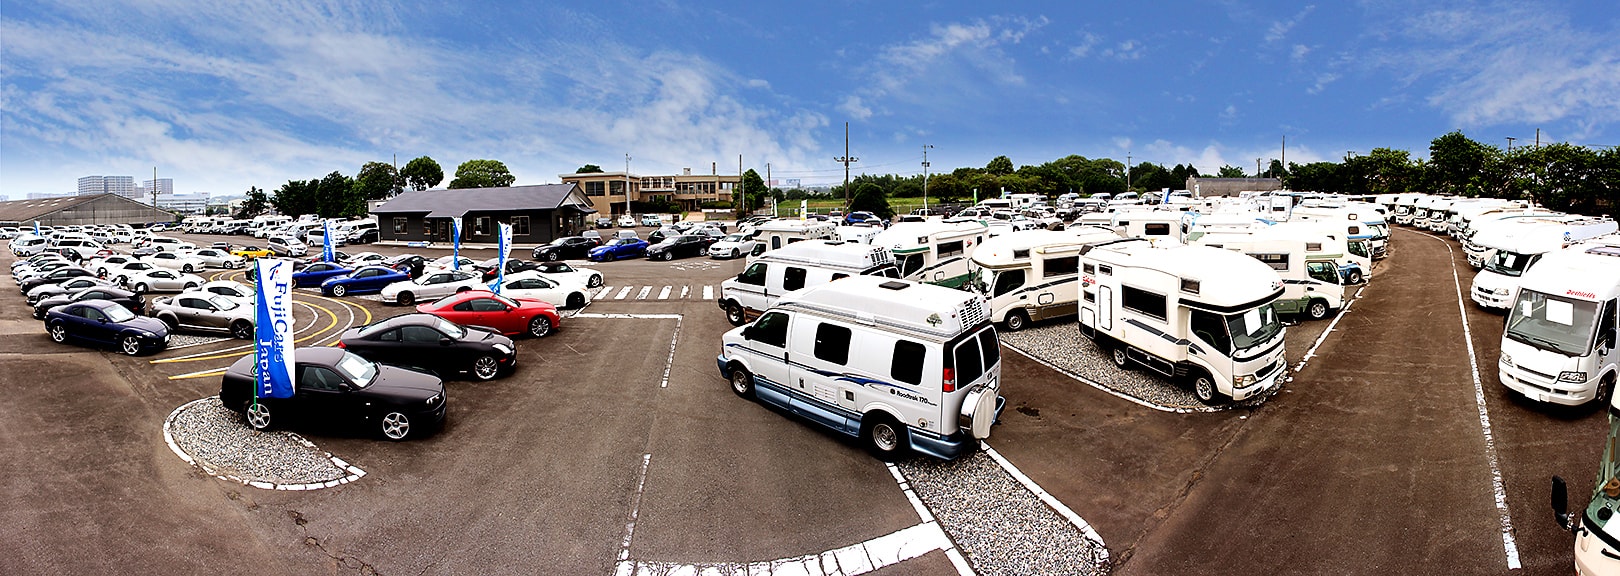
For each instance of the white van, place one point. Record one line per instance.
(775, 234)
(27, 245)
(1558, 344)
(1031, 275)
(1517, 250)
(900, 365)
(933, 252)
(1191, 313)
(797, 266)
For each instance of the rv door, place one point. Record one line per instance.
(1105, 308)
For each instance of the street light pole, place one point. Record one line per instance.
(1510, 140)
(626, 183)
(846, 159)
(925, 174)
(1127, 171)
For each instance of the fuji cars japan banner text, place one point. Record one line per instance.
(504, 246)
(455, 238)
(326, 242)
(273, 329)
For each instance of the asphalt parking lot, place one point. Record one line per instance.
(1372, 460)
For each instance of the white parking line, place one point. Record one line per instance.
(643, 294)
(664, 294)
(635, 510)
(708, 292)
(622, 293)
(600, 294)
(684, 291)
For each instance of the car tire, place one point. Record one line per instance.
(594, 282)
(540, 326)
(553, 256)
(735, 253)
(1016, 320)
(463, 289)
(339, 290)
(101, 272)
(242, 330)
(742, 383)
(1317, 309)
(735, 315)
(191, 286)
(884, 438)
(576, 300)
(486, 368)
(130, 345)
(1121, 360)
(58, 333)
(396, 426)
(140, 288)
(121, 280)
(406, 298)
(667, 256)
(170, 322)
(1203, 388)
(257, 414)
(1355, 277)
(187, 269)
(1605, 391)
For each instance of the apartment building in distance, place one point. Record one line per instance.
(120, 185)
(607, 191)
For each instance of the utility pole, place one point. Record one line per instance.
(768, 188)
(925, 174)
(1538, 138)
(846, 159)
(155, 195)
(742, 191)
(1256, 167)
(626, 184)
(1127, 171)
(1285, 152)
(1510, 140)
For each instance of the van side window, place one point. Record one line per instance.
(991, 348)
(770, 329)
(1059, 266)
(1008, 281)
(832, 343)
(1275, 261)
(755, 274)
(1143, 302)
(969, 364)
(907, 364)
(950, 248)
(793, 278)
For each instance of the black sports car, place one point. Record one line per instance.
(662, 234)
(106, 323)
(55, 277)
(565, 248)
(512, 267)
(431, 343)
(65, 287)
(408, 263)
(129, 300)
(680, 247)
(335, 386)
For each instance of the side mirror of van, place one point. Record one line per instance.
(748, 332)
(1560, 503)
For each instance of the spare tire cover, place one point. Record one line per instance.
(978, 412)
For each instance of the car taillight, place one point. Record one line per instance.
(340, 344)
(948, 380)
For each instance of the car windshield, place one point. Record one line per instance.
(118, 314)
(358, 370)
(451, 328)
(1253, 327)
(1552, 322)
(736, 238)
(1508, 263)
(223, 303)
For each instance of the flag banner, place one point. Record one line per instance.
(804, 209)
(455, 237)
(504, 246)
(326, 242)
(36, 228)
(1166, 198)
(273, 328)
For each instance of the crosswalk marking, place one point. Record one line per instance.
(684, 291)
(643, 294)
(600, 294)
(664, 294)
(622, 293)
(649, 292)
(708, 292)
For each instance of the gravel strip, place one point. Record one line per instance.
(221, 443)
(1000, 527)
(177, 340)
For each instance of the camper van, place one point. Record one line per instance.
(797, 266)
(1495, 227)
(933, 252)
(775, 234)
(1358, 224)
(1597, 548)
(1191, 313)
(902, 366)
(1558, 344)
(1313, 284)
(1517, 250)
(1031, 275)
(1405, 206)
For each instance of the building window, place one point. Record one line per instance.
(399, 225)
(481, 226)
(520, 225)
(616, 188)
(1276, 261)
(593, 188)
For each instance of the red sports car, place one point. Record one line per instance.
(484, 308)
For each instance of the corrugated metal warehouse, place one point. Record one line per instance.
(67, 210)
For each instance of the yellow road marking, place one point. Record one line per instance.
(236, 354)
(346, 305)
(203, 374)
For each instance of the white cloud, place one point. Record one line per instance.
(1279, 29)
(1087, 42)
(1229, 114)
(1127, 50)
(852, 105)
(1299, 53)
(1322, 81)
(955, 59)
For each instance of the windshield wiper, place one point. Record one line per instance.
(1549, 344)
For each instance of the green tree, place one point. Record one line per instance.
(482, 174)
(1316, 177)
(1276, 170)
(1456, 162)
(753, 192)
(337, 197)
(296, 197)
(869, 197)
(255, 204)
(1388, 171)
(1230, 171)
(377, 181)
(422, 173)
(999, 166)
(588, 169)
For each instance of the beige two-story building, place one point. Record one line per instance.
(607, 191)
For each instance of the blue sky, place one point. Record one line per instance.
(221, 96)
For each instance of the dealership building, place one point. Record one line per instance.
(538, 214)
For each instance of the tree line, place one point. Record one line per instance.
(337, 195)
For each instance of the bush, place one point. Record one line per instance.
(716, 205)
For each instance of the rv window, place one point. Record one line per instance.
(755, 274)
(1105, 269)
(969, 364)
(792, 278)
(1355, 229)
(1091, 296)
(1156, 229)
(792, 240)
(907, 364)
(1008, 281)
(1189, 286)
(1143, 302)
(949, 248)
(840, 275)
(990, 347)
(770, 329)
(1088, 268)
(1275, 261)
(1324, 271)
(1211, 329)
(832, 343)
(1020, 253)
(1059, 266)
(910, 263)
(1313, 246)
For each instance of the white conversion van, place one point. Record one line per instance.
(1559, 341)
(1190, 313)
(897, 364)
(775, 234)
(1312, 280)
(25, 245)
(797, 266)
(1517, 250)
(934, 252)
(1031, 275)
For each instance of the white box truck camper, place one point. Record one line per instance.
(775, 234)
(898, 364)
(934, 252)
(1031, 275)
(1313, 282)
(798, 266)
(1191, 313)
(1559, 341)
(1519, 247)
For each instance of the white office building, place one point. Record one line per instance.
(184, 203)
(120, 185)
(163, 186)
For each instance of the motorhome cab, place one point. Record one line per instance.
(778, 233)
(898, 364)
(1312, 283)
(1559, 342)
(797, 266)
(1405, 205)
(1517, 250)
(1597, 542)
(1031, 275)
(933, 252)
(1194, 313)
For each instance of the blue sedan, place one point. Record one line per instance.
(621, 248)
(315, 274)
(365, 280)
(106, 323)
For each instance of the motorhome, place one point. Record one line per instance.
(1405, 206)
(797, 266)
(1196, 314)
(1313, 283)
(1125, 199)
(933, 252)
(1517, 250)
(1361, 227)
(1438, 217)
(1496, 228)
(775, 234)
(902, 366)
(1347, 238)
(1558, 344)
(1031, 275)
(1022, 201)
(856, 234)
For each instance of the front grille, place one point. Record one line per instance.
(1267, 371)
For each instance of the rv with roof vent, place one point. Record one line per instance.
(902, 366)
(933, 252)
(1558, 344)
(1031, 275)
(1518, 247)
(775, 234)
(1496, 228)
(1405, 206)
(1313, 281)
(1194, 314)
(795, 267)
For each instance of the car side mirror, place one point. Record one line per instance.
(102, 320)
(446, 341)
(1560, 503)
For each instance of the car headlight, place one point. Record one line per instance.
(1507, 360)
(1243, 381)
(1572, 376)
(1500, 291)
(435, 399)
(502, 348)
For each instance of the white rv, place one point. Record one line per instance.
(1405, 206)
(1496, 228)
(1193, 313)
(933, 252)
(1349, 239)
(797, 266)
(1031, 275)
(1559, 341)
(1517, 250)
(1312, 282)
(902, 366)
(775, 234)
(1596, 542)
